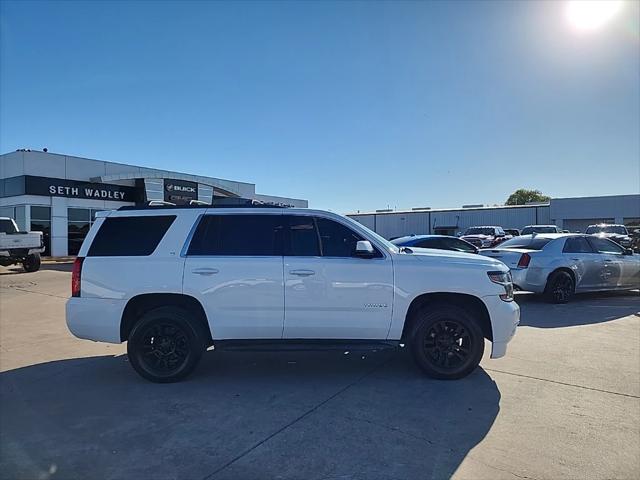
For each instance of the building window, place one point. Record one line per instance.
(41, 222)
(78, 225)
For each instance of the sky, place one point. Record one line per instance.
(354, 106)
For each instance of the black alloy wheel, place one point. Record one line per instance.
(560, 287)
(447, 341)
(164, 346)
(447, 344)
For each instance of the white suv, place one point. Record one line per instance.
(175, 281)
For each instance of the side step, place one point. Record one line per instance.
(303, 345)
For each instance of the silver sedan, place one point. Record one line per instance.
(559, 265)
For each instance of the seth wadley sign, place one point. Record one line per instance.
(88, 192)
(59, 187)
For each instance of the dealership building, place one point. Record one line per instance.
(60, 194)
(573, 214)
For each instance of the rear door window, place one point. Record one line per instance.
(130, 236)
(577, 245)
(238, 235)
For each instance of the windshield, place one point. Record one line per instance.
(479, 231)
(619, 229)
(529, 242)
(7, 226)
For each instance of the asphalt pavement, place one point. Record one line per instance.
(563, 403)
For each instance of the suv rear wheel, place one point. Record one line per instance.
(164, 346)
(446, 342)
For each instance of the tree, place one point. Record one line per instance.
(523, 196)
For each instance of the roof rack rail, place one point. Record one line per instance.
(227, 202)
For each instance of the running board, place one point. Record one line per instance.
(303, 345)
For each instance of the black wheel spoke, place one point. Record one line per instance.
(447, 344)
(164, 348)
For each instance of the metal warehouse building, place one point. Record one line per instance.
(60, 194)
(573, 214)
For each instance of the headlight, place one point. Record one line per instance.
(504, 279)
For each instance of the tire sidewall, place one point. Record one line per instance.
(180, 319)
(428, 317)
(32, 263)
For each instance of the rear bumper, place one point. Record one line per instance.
(95, 319)
(529, 279)
(505, 317)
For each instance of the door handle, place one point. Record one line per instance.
(302, 273)
(575, 259)
(205, 271)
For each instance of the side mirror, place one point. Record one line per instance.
(627, 251)
(364, 249)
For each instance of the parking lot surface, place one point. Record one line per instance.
(563, 403)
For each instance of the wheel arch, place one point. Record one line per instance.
(140, 304)
(562, 269)
(470, 303)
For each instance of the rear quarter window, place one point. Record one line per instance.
(130, 236)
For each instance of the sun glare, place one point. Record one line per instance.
(591, 15)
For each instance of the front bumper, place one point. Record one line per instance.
(505, 317)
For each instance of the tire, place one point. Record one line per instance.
(32, 263)
(560, 287)
(164, 346)
(446, 342)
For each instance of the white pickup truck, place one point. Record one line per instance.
(174, 281)
(19, 247)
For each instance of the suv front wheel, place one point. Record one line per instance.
(446, 342)
(164, 346)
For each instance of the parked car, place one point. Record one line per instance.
(559, 265)
(440, 242)
(529, 229)
(174, 281)
(635, 240)
(18, 247)
(483, 237)
(617, 233)
(513, 232)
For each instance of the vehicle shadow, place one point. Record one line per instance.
(582, 309)
(242, 415)
(58, 267)
(12, 270)
(17, 269)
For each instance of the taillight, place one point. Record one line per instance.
(76, 275)
(524, 260)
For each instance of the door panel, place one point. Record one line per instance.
(349, 298)
(242, 296)
(631, 270)
(589, 270)
(612, 271)
(586, 264)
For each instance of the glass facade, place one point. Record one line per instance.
(78, 225)
(41, 222)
